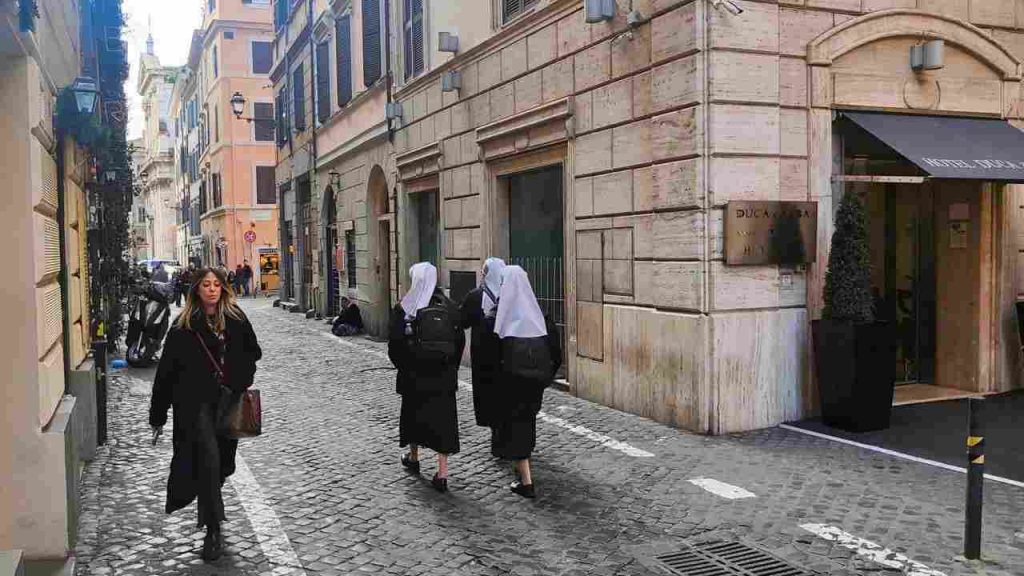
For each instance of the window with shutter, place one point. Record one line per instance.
(216, 69)
(511, 9)
(280, 13)
(323, 81)
(371, 42)
(413, 37)
(298, 100)
(262, 57)
(263, 121)
(266, 192)
(343, 57)
(283, 128)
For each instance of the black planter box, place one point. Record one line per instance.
(856, 369)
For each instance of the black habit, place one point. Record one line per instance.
(485, 351)
(185, 379)
(429, 415)
(518, 400)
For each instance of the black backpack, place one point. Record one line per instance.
(434, 336)
(528, 358)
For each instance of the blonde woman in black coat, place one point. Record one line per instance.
(531, 352)
(211, 349)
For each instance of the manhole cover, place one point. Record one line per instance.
(727, 559)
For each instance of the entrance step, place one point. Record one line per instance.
(11, 563)
(288, 306)
(50, 567)
(923, 393)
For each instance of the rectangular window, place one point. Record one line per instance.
(216, 123)
(298, 100)
(343, 57)
(266, 193)
(262, 57)
(323, 81)
(211, 5)
(280, 13)
(216, 67)
(263, 121)
(218, 191)
(229, 34)
(371, 42)
(512, 9)
(413, 37)
(350, 257)
(283, 129)
(426, 226)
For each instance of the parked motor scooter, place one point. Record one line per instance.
(148, 320)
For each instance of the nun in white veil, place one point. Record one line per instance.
(523, 330)
(429, 417)
(478, 313)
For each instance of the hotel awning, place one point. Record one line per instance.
(946, 147)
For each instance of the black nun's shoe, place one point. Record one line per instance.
(410, 464)
(439, 484)
(524, 490)
(213, 546)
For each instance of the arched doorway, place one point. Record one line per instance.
(378, 231)
(329, 221)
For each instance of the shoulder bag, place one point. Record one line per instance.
(239, 414)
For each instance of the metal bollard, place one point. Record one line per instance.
(975, 479)
(99, 351)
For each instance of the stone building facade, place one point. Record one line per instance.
(602, 157)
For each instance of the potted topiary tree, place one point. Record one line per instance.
(854, 355)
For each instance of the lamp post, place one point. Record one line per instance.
(238, 106)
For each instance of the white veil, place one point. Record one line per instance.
(424, 281)
(493, 268)
(519, 314)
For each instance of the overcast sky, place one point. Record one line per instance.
(172, 26)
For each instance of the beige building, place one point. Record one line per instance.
(48, 415)
(155, 170)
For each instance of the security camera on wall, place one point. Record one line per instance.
(728, 5)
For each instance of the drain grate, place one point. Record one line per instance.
(727, 559)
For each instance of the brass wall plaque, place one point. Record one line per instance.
(771, 232)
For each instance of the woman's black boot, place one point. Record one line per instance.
(213, 544)
(410, 464)
(524, 490)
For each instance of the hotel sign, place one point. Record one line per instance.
(771, 232)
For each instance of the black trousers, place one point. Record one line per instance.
(210, 452)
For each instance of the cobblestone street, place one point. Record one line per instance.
(322, 491)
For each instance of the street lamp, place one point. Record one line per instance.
(85, 91)
(238, 106)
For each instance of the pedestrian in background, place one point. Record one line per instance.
(184, 284)
(211, 350)
(425, 343)
(478, 313)
(350, 321)
(531, 353)
(247, 278)
(239, 279)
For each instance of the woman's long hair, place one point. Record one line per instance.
(227, 307)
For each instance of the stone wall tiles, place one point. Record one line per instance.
(528, 91)
(677, 83)
(757, 29)
(489, 70)
(631, 144)
(672, 185)
(630, 54)
(612, 103)
(443, 124)
(460, 117)
(793, 179)
(876, 5)
(583, 197)
(583, 112)
(739, 178)
(674, 33)
(738, 129)
(542, 47)
(593, 152)
(746, 287)
(955, 8)
(641, 94)
(513, 60)
(669, 236)
(573, 33)
(793, 132)
(593, 66)
(792, 82)
(613, 193)
(503, 103)
(480, 110)
(744, 77)
(676, 134)
(558, 79)
(675, 285)
(843, 5)
(798, 27)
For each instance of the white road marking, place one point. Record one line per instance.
(722, 489)
(871, 551)
(581, 430)
(273, 541)
(901, 455)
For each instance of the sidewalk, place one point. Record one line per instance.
(324, 493)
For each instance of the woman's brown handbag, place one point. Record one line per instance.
(239, 414)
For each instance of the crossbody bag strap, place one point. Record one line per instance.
(216, 365)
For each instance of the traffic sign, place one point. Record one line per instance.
(250, 236)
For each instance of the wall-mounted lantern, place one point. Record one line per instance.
(451, 81)
(85, 91)
(447, 42)
(393, 110)
(927, 56)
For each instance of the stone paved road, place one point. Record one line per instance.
(327, 496)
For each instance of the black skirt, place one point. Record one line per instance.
(430, 420)
(514, 424)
